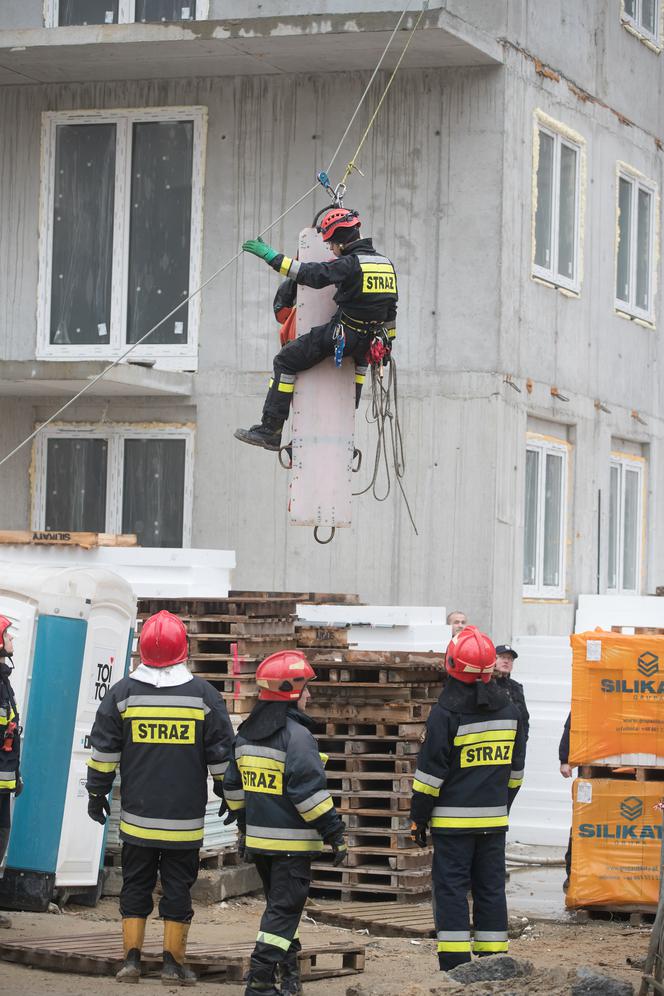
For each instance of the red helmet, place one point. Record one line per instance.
(163, 640)
(282, 676)
(5, 623)
(470, 656)
(337, 218)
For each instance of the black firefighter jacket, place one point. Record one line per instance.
(366, 282)
(164, 740)
(470, 765)
(276, 786)
(10, 732)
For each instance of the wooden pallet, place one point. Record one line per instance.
(100, 953)
(637, 914)
(368, 894)
(381, 919)
(637, 774)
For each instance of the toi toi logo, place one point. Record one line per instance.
(631, 808)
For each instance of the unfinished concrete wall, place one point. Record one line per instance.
(21, 14)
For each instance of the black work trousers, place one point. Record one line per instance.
(177, 869)
(305, 352)
(5, 822)
(463, 862)
(286, 886)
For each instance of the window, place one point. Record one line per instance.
(556, 211)
(123, 479)
(644, 16)
(544, 520)
(122, 221)
(625, 523)
(60, 13)
(635, 245)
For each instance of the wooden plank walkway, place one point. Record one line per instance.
(100, 953)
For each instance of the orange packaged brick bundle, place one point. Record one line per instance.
(616, 842)
(617, 699)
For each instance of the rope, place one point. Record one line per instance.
(383, 398)
(95, 380)
(352, 164)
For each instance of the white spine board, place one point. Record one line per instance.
(323, 415)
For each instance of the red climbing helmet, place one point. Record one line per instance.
(337, 218)
(470, 656)
(282, 676)
(163, 640)
(5, 623)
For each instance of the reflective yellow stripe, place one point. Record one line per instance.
(286, 388)
(270, 844)
(271, 763)
(359, 378)
(490, 945)
(153, 834)
(271, 382)
(318, 810)
(8, 785)
(274, 939)
(454, 945)
(480, 738)
(514, 783)
(419, 786)
(324, 757)
(233, 805)
(3, 721)
(391, 333)
(286, 264)
(377, 267)
(468, 821)
(102, 765)
(163, 712)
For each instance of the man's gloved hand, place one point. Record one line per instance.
(97, 806)
(259, 248)
(418, 833)
(223, 808)
(339, 849)
(20, 785)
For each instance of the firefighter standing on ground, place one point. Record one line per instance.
(276, 788)
(10, 743)
(367, 307)
(469, 769)
(165, 729)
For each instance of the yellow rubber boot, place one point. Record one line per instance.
(133, 935)
(174, 971)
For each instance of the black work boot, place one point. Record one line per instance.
(4, 844)
(260, 982)
(291, 983)
(267, 434)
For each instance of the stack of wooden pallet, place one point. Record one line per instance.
(229, 637)
(373, 705)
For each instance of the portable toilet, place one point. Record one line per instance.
(73, 631)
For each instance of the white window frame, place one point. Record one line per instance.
(635, 464)
(635, 24)
(115, 434)
(561, 136)
(639, 182)
(170, 356)
(126, 12)
(544, 445)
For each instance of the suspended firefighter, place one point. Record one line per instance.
(367, 308)
(276, 788)
(164, 729)
(10, 742)
(469, 769)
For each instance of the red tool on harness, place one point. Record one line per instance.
(379, 350)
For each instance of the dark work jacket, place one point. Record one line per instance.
(514, 691)
(366, 282)
(276, 785)
(9, 759)
(284, 300)
(563, 746)
(470, 765)
(164, 740)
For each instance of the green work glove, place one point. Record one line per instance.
(259, 248)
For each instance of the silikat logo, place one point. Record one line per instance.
(631, 808)
(648, 664)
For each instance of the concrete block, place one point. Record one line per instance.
(225, 883)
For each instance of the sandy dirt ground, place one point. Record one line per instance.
(393, 965)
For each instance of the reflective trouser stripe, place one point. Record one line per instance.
(454, 946)
(359, 378)
(285, 388)
(8, 785)
(274, 939)
(490, 946)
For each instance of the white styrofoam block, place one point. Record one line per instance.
(152, 572)
(412, 638)
(605, 611)
(372, 615)
(542, 811)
